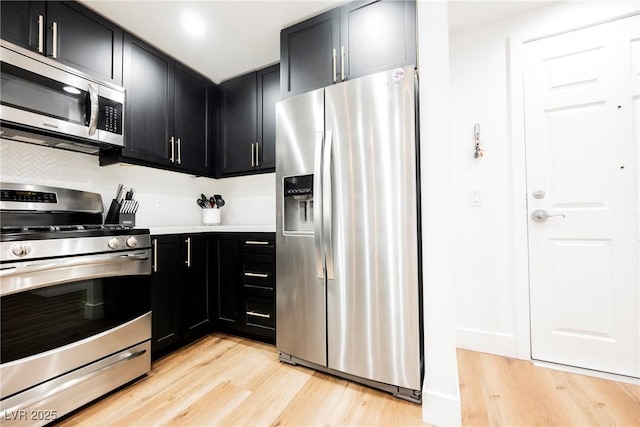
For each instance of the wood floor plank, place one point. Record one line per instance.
(471, 393)
(213, 408)
(270, 398)
(222, 380)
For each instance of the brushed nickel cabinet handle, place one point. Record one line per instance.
(334, 59)
(188, 242)
(155, 255)
(261, 275)
(342, 76)
(40, 34)
(256, 314)
(255, 242)
(173, 150)
(179, 144)
(54, 29)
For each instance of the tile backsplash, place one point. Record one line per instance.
(166, 198)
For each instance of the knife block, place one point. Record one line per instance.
(115, 217)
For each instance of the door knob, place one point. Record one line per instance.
(541, 215)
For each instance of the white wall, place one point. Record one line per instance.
(490, 265)
(166, 198)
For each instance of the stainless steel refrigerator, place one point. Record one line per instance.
(348, 292)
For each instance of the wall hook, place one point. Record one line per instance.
(479, 152)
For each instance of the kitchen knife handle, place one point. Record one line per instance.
(40, 34)
(317, 205)
(173, 150)
(54, 30)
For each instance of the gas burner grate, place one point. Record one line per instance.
(11, 229)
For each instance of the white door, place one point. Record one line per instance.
(582, 109)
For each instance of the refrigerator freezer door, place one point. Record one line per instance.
(300, 290)
(373, 301)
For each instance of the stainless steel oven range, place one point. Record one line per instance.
(75, 319)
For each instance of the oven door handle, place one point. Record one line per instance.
(28, 275)
(126, 357)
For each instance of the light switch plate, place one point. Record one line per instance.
(475, 198)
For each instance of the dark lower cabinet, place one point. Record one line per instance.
(181, 298)
(67, 32)
(246, 284)
(165, 292)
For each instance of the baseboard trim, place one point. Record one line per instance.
(487, 342)
(441, 410)
(589, 372)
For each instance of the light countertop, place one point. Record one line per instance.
(255, 228)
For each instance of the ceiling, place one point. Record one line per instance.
(241, 36)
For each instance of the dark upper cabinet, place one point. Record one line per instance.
(357, 39)
(269, 91)
(193, 127)
(169, 122)
(247, 123)
(238, 120)
(66, 32)
(308, 54)
(149, 82)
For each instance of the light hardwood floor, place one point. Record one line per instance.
(228, 381)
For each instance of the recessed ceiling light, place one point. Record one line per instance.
(194, 24)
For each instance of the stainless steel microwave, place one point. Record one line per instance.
(44, 102)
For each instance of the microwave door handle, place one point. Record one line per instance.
(93, 118)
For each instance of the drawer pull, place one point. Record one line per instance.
(261, 275)
(253, 313)
(255, 242)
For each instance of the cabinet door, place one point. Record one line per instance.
(165, 292)
(229, 280)
(309, 54)
(194, 283)
(269, 93)
(377, 36)
(238, 118)
(192, 94)
(19, 23)
(148, 80)
(84, 40)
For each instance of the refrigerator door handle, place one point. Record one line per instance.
(327, 206)
(317, 205)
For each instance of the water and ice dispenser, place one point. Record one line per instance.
(298, 204)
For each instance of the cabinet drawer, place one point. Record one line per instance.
(258, 244)
(260, 312)
(258, 271)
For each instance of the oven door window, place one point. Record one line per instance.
(38, 320)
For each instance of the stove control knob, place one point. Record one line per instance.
(21, 250)
(132, 242)
(113, 243)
